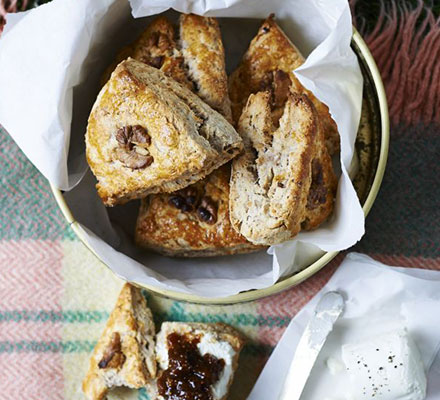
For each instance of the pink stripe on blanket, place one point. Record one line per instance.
(12, 331)
(406, 46)
(31, 376)
(30, 275)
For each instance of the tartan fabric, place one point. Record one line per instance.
(56, 297)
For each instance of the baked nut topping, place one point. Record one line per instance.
(185, 199)
(207, 211)
(189, 375)
(113, 356)
(133, 142)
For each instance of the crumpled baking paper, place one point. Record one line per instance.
(52, 58)
(379, 299)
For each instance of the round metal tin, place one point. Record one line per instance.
(372, 150)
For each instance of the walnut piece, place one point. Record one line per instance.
(185, 200)
(113, 356)
(132, 151)
(207, 211)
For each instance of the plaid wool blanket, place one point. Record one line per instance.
(55, 296)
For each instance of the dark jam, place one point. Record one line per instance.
(189, 375)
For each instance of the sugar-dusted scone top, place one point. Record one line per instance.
(148, 134)
(124, 354)
(218, 340)
(270, 181)
(271, 50)
(168, 223)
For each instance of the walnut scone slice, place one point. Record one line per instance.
(271, 180)
(148, 134)
(196, 361)
(124, 354)
(271, 51)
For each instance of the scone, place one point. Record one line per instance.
(195, 360)
(270, 181)
(193, 222)
(271, 71)
(271, 51)
(124, 355)
(148, 134)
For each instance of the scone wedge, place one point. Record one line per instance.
(148, 134)
(124, 354)
(194, 221)
(271, 51)
(270, 181)
(196, 359)
(267, 66)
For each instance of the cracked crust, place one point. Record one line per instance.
(188, 138)
(272, 50)
(124, 354)
(160, 225)
(270, 181)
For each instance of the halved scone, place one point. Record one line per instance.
(195, 361)
(267, 66)
(194, 221)
(148, 134)
(271, 180)
(124, 354)
(270, 51)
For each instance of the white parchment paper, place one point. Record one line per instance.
(378, 298)
(52, 59)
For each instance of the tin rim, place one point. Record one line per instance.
(312, 269)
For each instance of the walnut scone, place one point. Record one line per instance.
(267, 66)
(270, 181)
(148, 134)
(195, 360)
(271, 51)
(194, 221)
(125, 352)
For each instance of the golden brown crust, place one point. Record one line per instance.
(129, 368)
(204, 56)
(187, 139)
(172, 231)
(272, 50)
